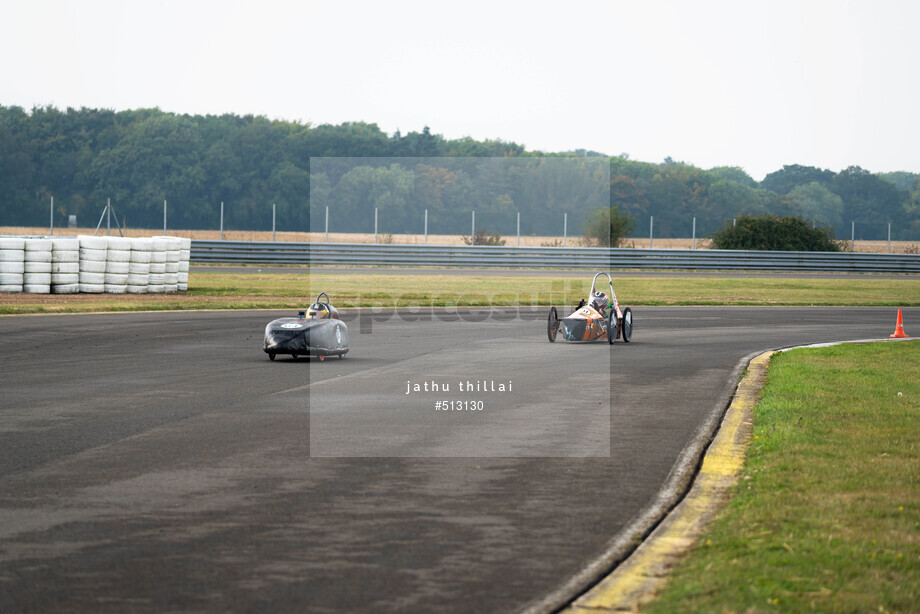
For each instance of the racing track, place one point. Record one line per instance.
(159, 461)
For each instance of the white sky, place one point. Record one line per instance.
(712, 83)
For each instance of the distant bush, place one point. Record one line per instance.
(483, 238)
(608, 227)
(783, 234)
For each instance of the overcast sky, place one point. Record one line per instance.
(712, 83)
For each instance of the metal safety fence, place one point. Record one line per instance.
(361, 254)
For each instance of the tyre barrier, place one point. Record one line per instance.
(94, 265)
(185, 254)
(156, 278)
(36, 276)
(139, 266)
(65, 265)
(117, 262)
(171, 276)
(12, 264)
(93, 253)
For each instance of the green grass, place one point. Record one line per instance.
(261, 290)
(827, 515)
(366, 289)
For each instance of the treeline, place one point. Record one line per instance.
(142, 157)
(675, 193)
(551, 194)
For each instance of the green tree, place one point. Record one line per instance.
(733, 173)
(815, 202)
(902, 180)
(17, 170)
(157, 159)
(868, 200)
(726, 199)
(791, 175)
(607, 227)
(365, 188)
(289, 188)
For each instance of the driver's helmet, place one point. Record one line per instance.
(599, 301)
(319, 311)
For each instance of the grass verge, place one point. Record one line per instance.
(827, 515)
(271, 291)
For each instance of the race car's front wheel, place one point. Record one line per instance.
(612, 326)
(627, 324)
(271, 355)
(552, 324)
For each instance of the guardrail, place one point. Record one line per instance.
(364, 254)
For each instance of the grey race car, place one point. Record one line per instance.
(315, 332)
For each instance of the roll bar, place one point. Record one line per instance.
(613, 296)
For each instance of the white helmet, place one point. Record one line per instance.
(599, 301)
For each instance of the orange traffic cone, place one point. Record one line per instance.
(899, 329)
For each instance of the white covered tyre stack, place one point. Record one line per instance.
(12, 264)
(117, 263)
(184, 257)
(36, 276)
(156, 280)
(139, 266)
(92, 263)
(65, 265)
(173, 255)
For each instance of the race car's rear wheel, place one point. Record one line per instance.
(627, 324)
(294, 356)
(552, 324)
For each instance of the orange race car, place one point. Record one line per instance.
(597, 318)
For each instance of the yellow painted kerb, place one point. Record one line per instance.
(635, 581)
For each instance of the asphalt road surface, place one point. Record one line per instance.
(159, 461)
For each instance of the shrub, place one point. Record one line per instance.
(608, 227)
(483, 238)
(785, 234)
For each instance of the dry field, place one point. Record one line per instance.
(878, 247)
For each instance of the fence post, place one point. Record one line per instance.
(473, 230)
(326, 237)
(565, 229)
(651, 230)
(108, 216)
(164, 218)
(519, 228)
(426, 226)
(221, 220)
(693, 243)
(889, 235)
(52, 218)
(853, 236)
(375, 224)
(273, 221)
